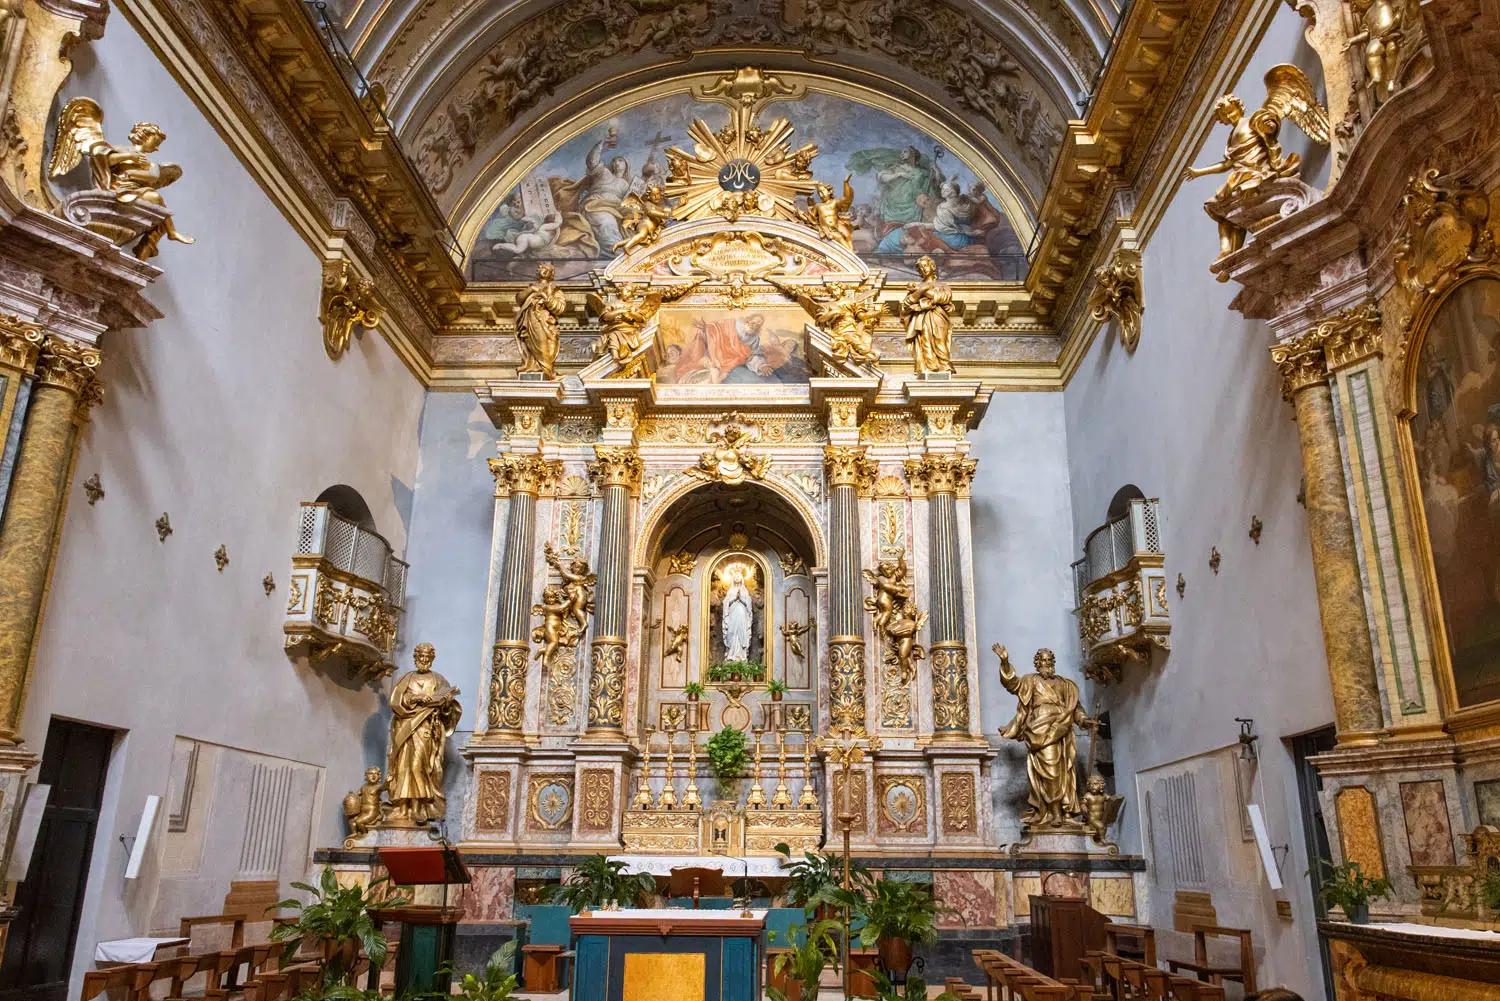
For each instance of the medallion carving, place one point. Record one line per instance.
(903, 804)
(549, 802)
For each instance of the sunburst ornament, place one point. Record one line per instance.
(742, 169)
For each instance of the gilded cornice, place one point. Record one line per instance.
(941, 472)
(20, 343)
(616, 467)
(848, 466)
(67, 365)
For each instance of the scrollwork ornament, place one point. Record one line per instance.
(957, 797)
(67, 365)
(1301, 363)
(1425, 257)
(938, 473)
(1117, 293)
(508, 687)
(849, 467)
(526, 473)
(347, 299)
(616, 467)
(20, 343)
(846, 679)
(950, 689)
(606, 708)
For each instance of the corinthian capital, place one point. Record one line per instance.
(942, 472)
(1352, 336)
(20, 343)
(1301, 362)
(525, 474)
(616, 467)
(67, 365)
(847, 466)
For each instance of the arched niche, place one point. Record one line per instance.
(1119, 505)
(346, 502)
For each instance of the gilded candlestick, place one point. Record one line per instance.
(783, 796)
(809, 798)
(757, 798)
(643, 794)
(668, 798)
(690, 798)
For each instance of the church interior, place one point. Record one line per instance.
(624, 500)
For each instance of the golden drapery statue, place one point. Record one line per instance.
(1047, 712)
(845, 312)
(130, 173)
(538, 306)
(646, 215)
(729, 460)
(1382, 24)
(929, 326)
(364, 808)
(424, 714)
(622, 319)
(830, 216)
(895, 615)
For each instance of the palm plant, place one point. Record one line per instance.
(338, 920)
(804, 962)
(497, 982)
(599, 882)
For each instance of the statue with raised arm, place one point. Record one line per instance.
(555, 631)
(831, 216)
(623, 318)
(1047, 711)
(645, 215)
(578, 585)
(538, 306)
(846, 312)
(424, 713)
(1382, 24)
(927, 307)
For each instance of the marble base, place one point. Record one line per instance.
(118, 222)
(1064, 842)
(1257, 208)
(393, 837)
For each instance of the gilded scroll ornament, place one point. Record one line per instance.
(424, 713)
(346, 299)
(848, 466)
(128, 173)
(1117, 294)
(830, 216)
(927, 308)
(492, 806)
(1253, 159)
(941, 472)
(525, 473)
(1047, 712)
(606, 706)
(1427, 258)
(597, 800)
(646, 214)
(950, 688)
(20, 342)
(365, 808)
(562, 687)
(957, 797)
(1382, 29)
(846, 685)
(730, 460)
(508, 686)
(623, 317)
(538, 306)
(845, 312)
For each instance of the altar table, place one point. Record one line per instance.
(668, 954)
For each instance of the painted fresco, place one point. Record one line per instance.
(707, 347)
(912, 196)
(1456, 434)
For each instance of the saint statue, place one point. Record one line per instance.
(929, 327)
(538, 306)
(737, 614)
(424, 713)
(1047, 712)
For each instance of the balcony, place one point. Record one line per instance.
(346, 594)
(1120, 587)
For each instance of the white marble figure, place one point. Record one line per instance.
(737, 612)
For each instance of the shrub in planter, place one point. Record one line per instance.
(736, 670)
(812, 949)
(727, 754)
(338, 921)
(1345, 885)
(598, 882)
(776, 689)
(693, 691)
(897, 916)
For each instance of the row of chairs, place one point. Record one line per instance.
(1115, 978)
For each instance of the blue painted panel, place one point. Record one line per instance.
(591, 969)
(741, 970)
(549, 923)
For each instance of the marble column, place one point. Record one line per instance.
(848, 469)
(525, 476)
(65, 381)
(1341, 596)
(618, 472)
(942, 475)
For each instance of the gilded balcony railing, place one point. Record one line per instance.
(1120, 591)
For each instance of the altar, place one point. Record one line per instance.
(661, 954)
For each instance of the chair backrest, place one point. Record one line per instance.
(548, 923)
(1192, 909)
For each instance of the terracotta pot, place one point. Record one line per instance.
(792, 989)
(895, 953)
(692, 696)
(776, 696)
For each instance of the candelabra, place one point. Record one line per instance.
(757, 798)
(690, 798)
(847, 753)
(668, 798)
(809, 798)
(783, 796)
(643, 794)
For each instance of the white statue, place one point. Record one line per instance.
(737, 611)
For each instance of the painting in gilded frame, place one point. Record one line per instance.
(754, 346)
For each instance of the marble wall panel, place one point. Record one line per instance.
(1359, 829)
(1023, 888)
(490, 895)
(1112, 895)
(1428, 833)
(972, 897)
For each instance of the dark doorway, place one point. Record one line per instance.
(39, 950)
(1314, 830)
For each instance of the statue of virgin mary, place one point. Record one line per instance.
(737, 614)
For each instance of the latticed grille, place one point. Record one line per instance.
(1122, 542)
(370, 554)
(338, 542)
(395, 582)
(1152, 532)
(307, 531)
(1099, 555)
(1081, 580)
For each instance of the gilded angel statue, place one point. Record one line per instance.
(846, 313)
(622, 319)
(1252, 154)
(1382, 27)
(128, 172)
(894, 615)
(830, 216)
(646, 215)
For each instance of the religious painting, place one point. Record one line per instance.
(1456, 437)
(912, 196)
(737, 610)
(739, 347)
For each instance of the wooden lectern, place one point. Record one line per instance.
(427, 930)
(696, 883)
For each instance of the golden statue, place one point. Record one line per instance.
(929, 327)
(792, 632)
(1252, 154)
(1047, 712)
(578, 585)
(896, 618)
(555, 631)
(1100, 810)
(677, 647)
(891, 589)
(621, 320)
(729, 461)
(538, 306)
(130, 173)
(1382, 23)
(424, 714)
(645, 216)
(363, 809)
(846, 314)
(830, 216)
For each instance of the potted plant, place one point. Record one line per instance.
(497, 982)
(897, 916)
(735, 671)
(776, 689)
(1345, 885)
(693, 691)
(727, 753)
(815, 882)
(803, 964)
(598, 882)
(338, 921)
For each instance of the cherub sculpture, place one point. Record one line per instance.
(622, 319)
(895, 616)
(1252, 154)
(846, 313)
(646, 215)
(891, 590)
(1100, 809)
(830, 216)
(578, 585)
(1382, 25)
(130, 173)
(902, 648)
(364, 808)
(729, 461)
(677, 638)
(555, 631)
(793, 632)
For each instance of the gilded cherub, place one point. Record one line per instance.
(646, 215)
(729, 461)
(622, 319)
(1100, 809)
(891, 590)
(846, 313)
(901, 639)
(793, 632)
(1382, 24)
(578, 585)
(1252, 154)
(555, 630)
(364, 808)
(830, 216)
(677, 638)
(130, 173)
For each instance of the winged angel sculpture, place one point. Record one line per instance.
(830, 216)
(1253, 159)
(129, 173)
(621, 319)
(846, 312)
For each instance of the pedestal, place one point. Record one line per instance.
(637, 955)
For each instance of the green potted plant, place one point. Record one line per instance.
(1345, 885)
(804, 962)
(815, 881)
(734, 671)
(693, 691)
(338, 921)
(897, 916)
(727, 754)
(598, 882)
(1489, 890)
(776, 689)
(497, 982)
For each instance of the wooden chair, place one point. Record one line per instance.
(115, 978)
(1217, 973)
(1142, 939)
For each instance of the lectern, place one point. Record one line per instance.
(426, 929)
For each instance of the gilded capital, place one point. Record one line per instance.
(848, 466)
(67, 365)
(525, 474)
(1301, 362)
(616, 467)
(941, 472)
(20, 343)
(1351, 337)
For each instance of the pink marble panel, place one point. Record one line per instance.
(491, 894)
(1427, 830)
(1066, 884)
(971, 894)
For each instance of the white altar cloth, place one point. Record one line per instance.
(733, 867)
(1482, 935)
(133, 950)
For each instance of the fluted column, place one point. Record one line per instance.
(65, 380)
(618, 472)
(848, 469)
(525, 476)
(1341, 596)
(942, 475)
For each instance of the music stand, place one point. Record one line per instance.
(695, 882)
(426, 931)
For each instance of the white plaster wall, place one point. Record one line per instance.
(225, 414)
(1195, 417)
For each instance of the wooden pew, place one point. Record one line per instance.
(1123, 979)
(1217, 973)
(1011, 980)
